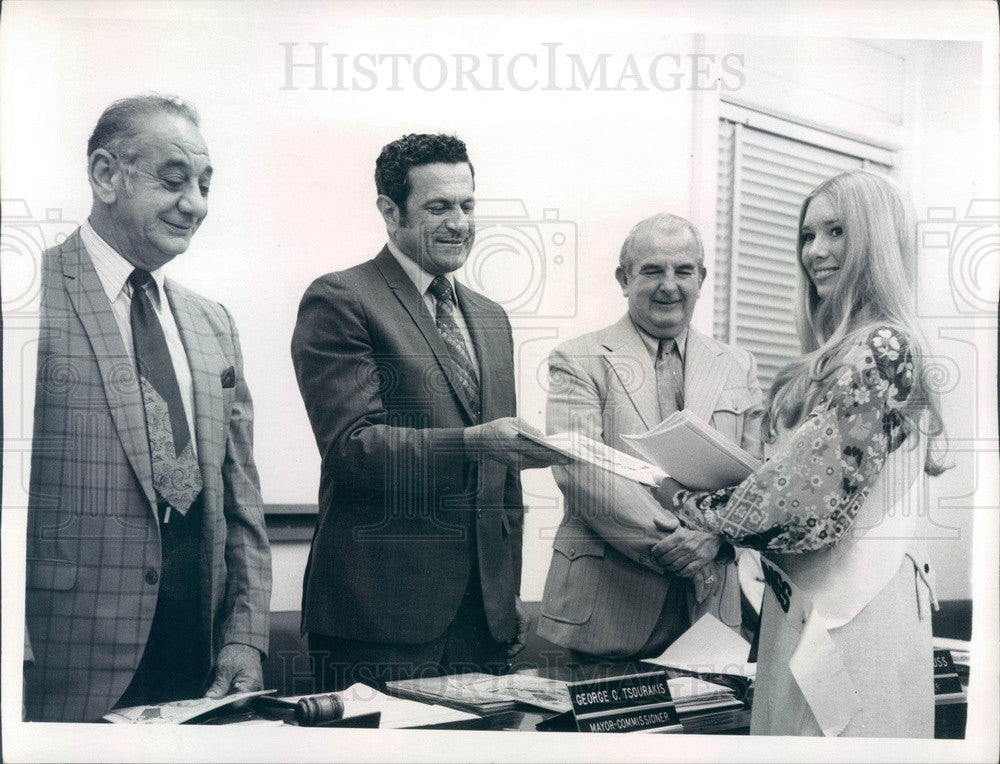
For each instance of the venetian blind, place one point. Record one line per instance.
(763, 178)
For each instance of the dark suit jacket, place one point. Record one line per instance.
(93, 534)
(403, 513)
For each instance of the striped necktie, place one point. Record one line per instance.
(468, 379)
(669, 378)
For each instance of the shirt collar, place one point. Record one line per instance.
(653, 344)
(112, 269)
(421, 279)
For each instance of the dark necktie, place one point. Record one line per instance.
(669, 378)
(444, 317)
(176, 476)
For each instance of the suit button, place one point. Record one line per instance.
(152, 576)
(572, 553)
(927, 568)
(479, 512)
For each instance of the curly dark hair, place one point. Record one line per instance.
(393, 164)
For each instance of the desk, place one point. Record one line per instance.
(737, 723)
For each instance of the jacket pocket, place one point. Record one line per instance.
(571, 588)
(736, 400)
(59, 575)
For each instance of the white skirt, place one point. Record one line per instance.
(887, 651)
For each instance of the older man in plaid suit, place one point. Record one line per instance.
(148, 574)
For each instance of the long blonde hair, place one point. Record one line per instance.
(875, 288)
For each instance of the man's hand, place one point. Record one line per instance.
(237, 669)
(683, 551)
(500, 440)
(706, 581)
(523, 627)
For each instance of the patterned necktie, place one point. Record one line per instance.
(669, 378)
(176, 476)
(468, 380)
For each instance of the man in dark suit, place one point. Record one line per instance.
(408, 380)
(148, 566)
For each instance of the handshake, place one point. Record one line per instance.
(690, 553)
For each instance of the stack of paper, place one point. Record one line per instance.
(580, 448)
(692, 453)
(466, 692)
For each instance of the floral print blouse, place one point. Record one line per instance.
(807, 496)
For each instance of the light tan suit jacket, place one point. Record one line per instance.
(603, 594)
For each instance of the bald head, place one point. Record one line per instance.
(663, 224)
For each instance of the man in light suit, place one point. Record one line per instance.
(604, 597)
(408, 380)
(148, 573)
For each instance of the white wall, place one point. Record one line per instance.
(293, 195)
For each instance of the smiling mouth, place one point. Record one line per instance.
(824, 272)
(177, 227)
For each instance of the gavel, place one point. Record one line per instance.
(311, 711)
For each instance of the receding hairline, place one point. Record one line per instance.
(119, 122)
(666, 223)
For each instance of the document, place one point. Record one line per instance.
(709, 647)
(176, 712)
(692, 453)
(583, 449)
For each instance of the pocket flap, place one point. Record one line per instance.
(737, 400)
(578, 546)
(51, 574)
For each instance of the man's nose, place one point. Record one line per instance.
(668, 282)
(193, 202)
(458, 220)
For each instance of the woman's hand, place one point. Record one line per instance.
(666, 491)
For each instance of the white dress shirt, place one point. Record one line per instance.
(113, 271)
(422, 280)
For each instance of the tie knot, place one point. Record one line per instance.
(441, 289)
(139, 279)
(667, 345)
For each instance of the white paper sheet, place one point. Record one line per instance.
(709, 646)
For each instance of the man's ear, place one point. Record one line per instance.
(621, 275)
(102, 167)
(390, 212)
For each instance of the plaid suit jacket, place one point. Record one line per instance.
(404, 515)
(93, 552)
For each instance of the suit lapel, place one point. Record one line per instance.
(629, 358)
(704, 376)
(91, 304)
(413, 303)
(484, 337)
(200, 348)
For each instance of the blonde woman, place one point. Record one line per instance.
(845, 641)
